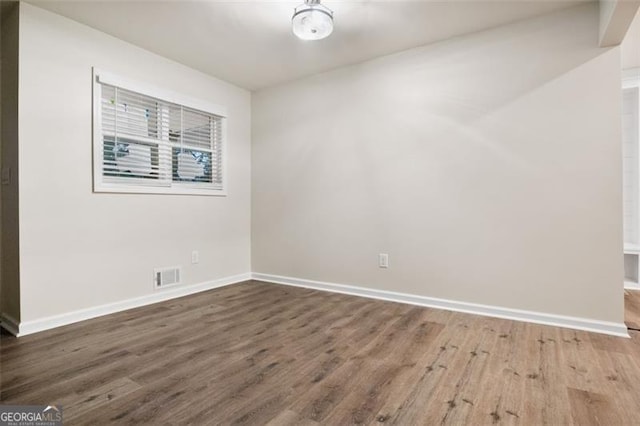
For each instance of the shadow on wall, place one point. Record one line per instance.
(451, 92)
(451, 84)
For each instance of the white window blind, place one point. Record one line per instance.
(149, 144)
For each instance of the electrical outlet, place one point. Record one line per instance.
(195, 256)
(383, 260)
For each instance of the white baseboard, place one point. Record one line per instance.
(9, 323)
(604, 327)
(34, 326)
(630, 285)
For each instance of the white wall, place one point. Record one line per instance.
(631, 45)
(487, 166)
(79, 249)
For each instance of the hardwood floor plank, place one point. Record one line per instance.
(456, 398)
(490, 405)
(256, 353)
(80, 403)
(290, 418)
(632, 308)
(590, 408)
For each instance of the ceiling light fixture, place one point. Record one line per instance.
(312, 21)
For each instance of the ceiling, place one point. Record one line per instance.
(250, 44)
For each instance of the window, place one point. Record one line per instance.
(152, 141)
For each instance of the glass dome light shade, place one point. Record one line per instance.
(312, 21)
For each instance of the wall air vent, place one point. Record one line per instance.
(164, 277)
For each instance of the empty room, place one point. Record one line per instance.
(320, 212)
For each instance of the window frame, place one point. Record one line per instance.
(100, 185)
